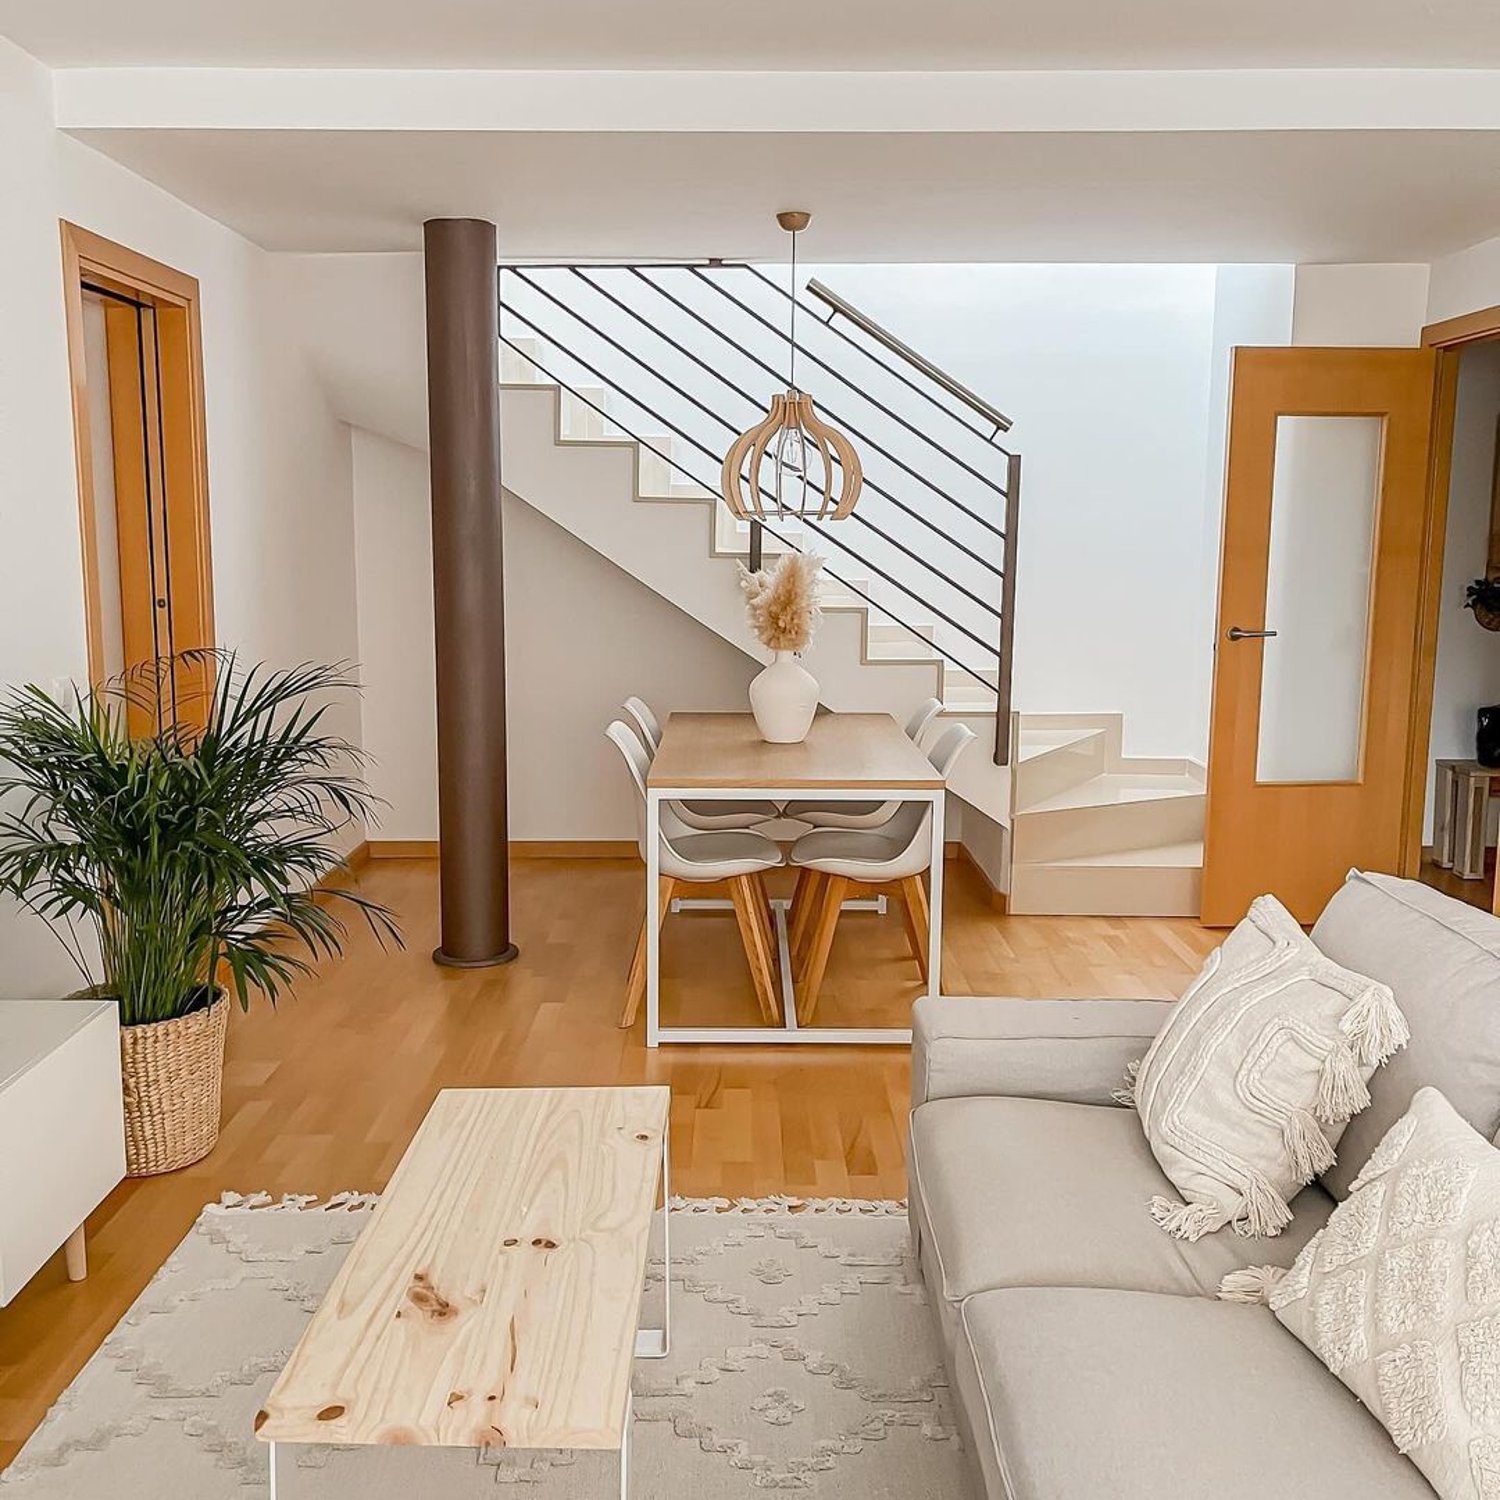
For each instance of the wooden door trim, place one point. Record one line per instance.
(86, 254)
(1450, 333)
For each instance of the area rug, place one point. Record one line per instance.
(803, 1359)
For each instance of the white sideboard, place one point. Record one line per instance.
(62, 1129)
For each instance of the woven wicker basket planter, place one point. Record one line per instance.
(172, 1072)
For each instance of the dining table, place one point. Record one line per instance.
(854, 757)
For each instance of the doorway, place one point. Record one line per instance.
(135, 358)
(1459, 777)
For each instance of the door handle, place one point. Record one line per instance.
(1234, 633)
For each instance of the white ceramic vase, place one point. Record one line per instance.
(784, 698)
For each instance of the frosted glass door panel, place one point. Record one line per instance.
(1325, 494)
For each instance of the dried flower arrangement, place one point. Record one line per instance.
(781, 602)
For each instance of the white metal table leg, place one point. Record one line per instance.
(653, 918)
(655, 1343)
(625, 1448)
(935, 899)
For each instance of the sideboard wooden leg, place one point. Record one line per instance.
(76, 1254)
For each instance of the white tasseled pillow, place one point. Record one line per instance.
(1249, 1085)
(1399, 1295)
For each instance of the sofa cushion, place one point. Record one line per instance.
(1400, 1295)
(1035, 1192)
(1441, 959)
(1251, 1082)
(1075, 1392)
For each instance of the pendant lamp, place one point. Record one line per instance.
(791, 464)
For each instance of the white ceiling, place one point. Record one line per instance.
(791, 34)
(1274, 196)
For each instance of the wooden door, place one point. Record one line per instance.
(1321, 596)
(139, 428)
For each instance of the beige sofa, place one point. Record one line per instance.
(1086, 1351)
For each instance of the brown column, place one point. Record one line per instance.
(468, 589)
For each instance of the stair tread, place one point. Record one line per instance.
(1182, 856)
(1036, 742)
(1114, 788)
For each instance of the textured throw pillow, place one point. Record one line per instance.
(1248, 1086)
(1399, 1295)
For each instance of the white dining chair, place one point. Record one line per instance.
(864, 814)
(831, 861)
(690, 856)
(704, 814)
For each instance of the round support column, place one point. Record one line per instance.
(468, 589)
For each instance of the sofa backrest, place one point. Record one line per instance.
(1441, 959)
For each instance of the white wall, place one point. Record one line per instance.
(1467, 675)
(1465, 282)
(279, 475)
(1368, 306)
(581, 635)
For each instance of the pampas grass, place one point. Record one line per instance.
(782, 602)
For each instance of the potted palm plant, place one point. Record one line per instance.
(178, 866)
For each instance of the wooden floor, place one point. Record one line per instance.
(325, 1093)
(1480, 893)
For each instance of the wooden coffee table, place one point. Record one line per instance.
(493, 1300)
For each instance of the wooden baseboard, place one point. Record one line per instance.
(519, 849)
(998, 899)
(403, 848)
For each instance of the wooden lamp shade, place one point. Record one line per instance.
(742, 480)
(791, 423)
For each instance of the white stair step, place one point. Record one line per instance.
(517, 365)
(1034, 742)
(1186, 855)
(1108, 814)
(1162, 882)
(1117, 787)
(1068, 760)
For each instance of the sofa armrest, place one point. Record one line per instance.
(1073, 1050)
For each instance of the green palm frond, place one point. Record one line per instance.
(191, 854)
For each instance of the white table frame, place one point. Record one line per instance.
(789, 1030)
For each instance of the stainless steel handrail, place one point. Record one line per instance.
(882, 335)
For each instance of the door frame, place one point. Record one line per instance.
(1448, 337)
(86, 255)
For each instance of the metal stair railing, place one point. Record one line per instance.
(926, 562)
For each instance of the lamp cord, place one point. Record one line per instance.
(792, 380)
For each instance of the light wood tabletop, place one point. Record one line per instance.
(841, 750)
(492, 1301)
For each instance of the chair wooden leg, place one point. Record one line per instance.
(773, 947)
(810, 983)
(635, 988)
(752, 935)
(914, 905)
(806, 904)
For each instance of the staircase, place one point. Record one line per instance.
(1096, 832)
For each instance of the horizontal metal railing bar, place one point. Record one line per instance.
(745, 396)
(992, 439)
(723, 421)
(657, 416)
(812, 358)
(882, 335)
(834, 415)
